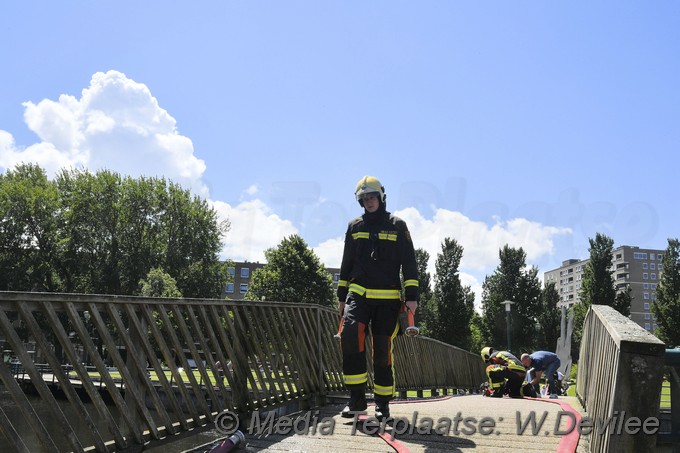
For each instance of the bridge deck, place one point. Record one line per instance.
(500, 430)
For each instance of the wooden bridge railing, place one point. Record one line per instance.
(152, 367)
(620, 371)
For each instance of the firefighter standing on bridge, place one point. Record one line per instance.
(378, 247)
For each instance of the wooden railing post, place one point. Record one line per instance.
(619, 376)
(137, 378)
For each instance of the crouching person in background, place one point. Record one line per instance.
(505, 372)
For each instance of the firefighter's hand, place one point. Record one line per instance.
(341, 308)
(412, 305)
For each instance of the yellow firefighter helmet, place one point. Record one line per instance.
(369, 184)
(486, 353)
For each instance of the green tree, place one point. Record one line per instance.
(667, 304)
(511, 281)
(477, 333)
(623, 300)
(159, 284)
(426, 313)
(193, 238)
(100, 233)
(454, 306)
(597, 285)
(141, 244)
(293, 273)
(548, 318)
(29, 209)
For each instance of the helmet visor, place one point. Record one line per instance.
(368, 195)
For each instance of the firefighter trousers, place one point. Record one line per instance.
(382, 316)
(501, 374)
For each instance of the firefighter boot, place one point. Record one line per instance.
(382, 408)
(357, 403)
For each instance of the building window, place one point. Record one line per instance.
(618, 256)
(336, 277)
(644, 265)
(231, 271)
(245, 272)
(655, 326)
(653, 285)
(653, 276)
(658, 257)
(640, 256)
(647, 326)
(645, 276)
(645, 296)
(647, 316)
(651, 256)
(646, 306)
(645, 286)
(659, 266)
(230, 288)
(652, 266)
(653, 296)
(244, 288)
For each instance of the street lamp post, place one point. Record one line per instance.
(508, 321)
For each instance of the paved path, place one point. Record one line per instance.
(464, 423)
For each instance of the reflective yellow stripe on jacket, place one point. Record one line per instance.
(375, 293)
(410, 283)
(381, 236)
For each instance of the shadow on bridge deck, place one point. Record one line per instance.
(448, 424)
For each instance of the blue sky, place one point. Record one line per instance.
(536, 124)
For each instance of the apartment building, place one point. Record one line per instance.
(639, 268)
(242, 271)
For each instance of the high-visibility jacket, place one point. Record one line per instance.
(373, 256)
(507, 359)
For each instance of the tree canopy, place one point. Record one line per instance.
(453, 303)
(101, 233)
(514, 282)
(667, 304)
(426, 313)
(293, 273)
(597, 286)
(548, 318)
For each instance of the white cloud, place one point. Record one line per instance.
(481, 243)
(330, 251)
(254, 228)
(45, 154)
(252, 190)
(116, 124)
